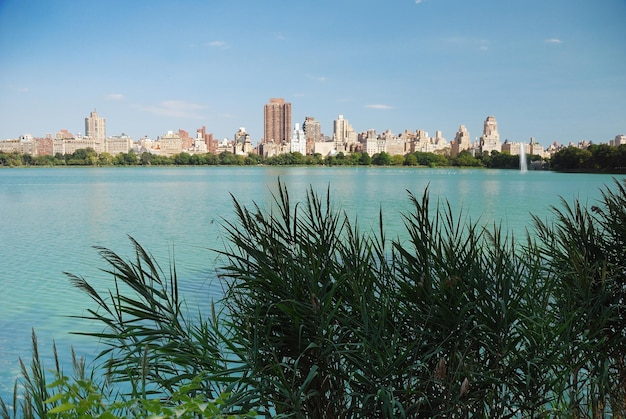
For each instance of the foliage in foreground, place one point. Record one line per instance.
(321, 320)
(81, 395)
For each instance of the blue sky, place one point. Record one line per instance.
(550, 69)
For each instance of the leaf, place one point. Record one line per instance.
(65, 407)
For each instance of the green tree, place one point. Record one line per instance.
(381, 159)
(212, 159)
(130, 158)
(339, 159)
(80, 154)
(229, 158)
(105, 159)
(605, 158)
(182, 159)
(430, 159)
(197, 159)
(365, 159)
(465, 159)
(397, 160)
(410, 160)
(353, 159)
(10, 159)
(621, 159)
(503, 161)
(45, 160)
(253, 159)
(60, 159)
(27, 159)
(126, 159)
(83, 157)
(316, 159)
(297, 158)
(146, 158)
(571, 159)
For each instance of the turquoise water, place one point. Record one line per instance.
(51, 218)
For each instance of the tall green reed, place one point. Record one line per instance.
(321, 320)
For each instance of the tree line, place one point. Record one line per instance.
(595, 158)
(89, 157)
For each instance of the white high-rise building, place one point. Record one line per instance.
(242, 143)
(298, 141)
(374, 144)
(343, 134)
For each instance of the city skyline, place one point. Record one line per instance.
(553, 71)
(277, 115)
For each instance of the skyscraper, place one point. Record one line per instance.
(312, 129)
(490, 140)
(95, 127)
(298, 141)
(462, 141)
(490, 129)
(343, 134)
(277, 121)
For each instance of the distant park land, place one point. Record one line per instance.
(600, 158)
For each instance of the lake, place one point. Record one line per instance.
(51, 218)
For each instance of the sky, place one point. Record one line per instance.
(554, 70)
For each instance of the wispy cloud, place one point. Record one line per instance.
(554, 41)
(469, 43)
(218, 44)
(279, 36)
(18, 89)
(378, 106)
(316, 78)
(175, 109)
(418, 1)
(115, 96)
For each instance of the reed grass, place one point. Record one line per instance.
(321, 320)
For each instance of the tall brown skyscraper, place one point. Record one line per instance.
(277, 121)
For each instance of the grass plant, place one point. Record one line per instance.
(321, 320)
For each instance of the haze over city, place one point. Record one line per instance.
(553, 70)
